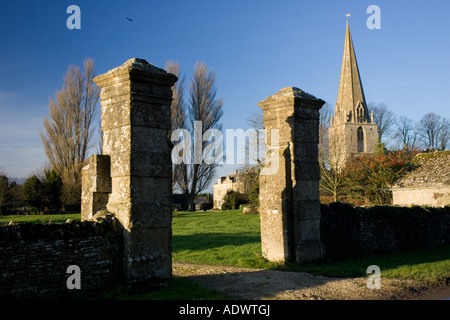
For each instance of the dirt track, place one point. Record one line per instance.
(244, 283)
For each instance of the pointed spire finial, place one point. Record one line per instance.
(347, 15)
(350, 92)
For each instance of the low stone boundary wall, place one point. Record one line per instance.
(349, 231)
(34, 258)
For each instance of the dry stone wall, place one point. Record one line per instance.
(35, 257)
(349, 232)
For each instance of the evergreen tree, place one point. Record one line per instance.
(32, 191)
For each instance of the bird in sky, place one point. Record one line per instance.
(129, 19)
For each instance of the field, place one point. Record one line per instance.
(49, 218)
(218, 238)
(231, 238)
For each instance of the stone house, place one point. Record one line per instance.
(200, 202)
(230, 182)
(428, 183)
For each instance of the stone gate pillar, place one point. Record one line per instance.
(96, 182)
(136, 100)
(289, 196)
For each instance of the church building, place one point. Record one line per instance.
(352, 130)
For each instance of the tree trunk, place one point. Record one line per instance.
(191, 204)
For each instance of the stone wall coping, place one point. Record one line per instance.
(72, 229)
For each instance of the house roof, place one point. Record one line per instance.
(201, 200)
(430, 169)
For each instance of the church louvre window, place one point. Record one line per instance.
(360, 113)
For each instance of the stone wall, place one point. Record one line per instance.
(96, 183)
(35, 257)
(439, 196)
(349, 231)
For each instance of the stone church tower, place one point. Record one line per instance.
(352, 130)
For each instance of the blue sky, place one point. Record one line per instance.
(255, 47)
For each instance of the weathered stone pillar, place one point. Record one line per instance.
(136, 100)
(289, 197)
(96, 184)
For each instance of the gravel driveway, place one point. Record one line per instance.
(244, 283)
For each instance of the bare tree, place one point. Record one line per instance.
(68, 131)
(255, 120)
(406, 134)
(177, 115)
(324, 124)
(206, 109)
(444, 134)
(384, 118)
(333, 155)
(429, 130)
(256, 145)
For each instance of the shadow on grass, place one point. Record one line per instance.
(179, 289)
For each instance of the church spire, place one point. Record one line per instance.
(351, 104)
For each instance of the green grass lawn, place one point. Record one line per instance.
(218, 238)
(231, 238)
(431, 264)
(45, 218)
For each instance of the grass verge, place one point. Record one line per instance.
(431, 264)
